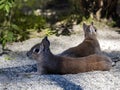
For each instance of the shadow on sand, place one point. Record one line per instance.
(60, 80)
(13, 73)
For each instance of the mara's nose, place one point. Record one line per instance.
(28, 54)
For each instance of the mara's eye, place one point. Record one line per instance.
(95, 30)
(36, 50)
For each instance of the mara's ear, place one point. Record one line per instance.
(46, 42)
(92, 23)
(84, 26)
(42, 47)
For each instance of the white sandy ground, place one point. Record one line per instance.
(97, 80)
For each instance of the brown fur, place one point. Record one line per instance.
(89, 46)
(52, 64)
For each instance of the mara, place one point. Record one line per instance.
(48, 63)
(90, 44)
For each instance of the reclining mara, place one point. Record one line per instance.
(90, 44)
(48, 63)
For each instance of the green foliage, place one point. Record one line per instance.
(6, 36)
(6, 5)
(30, 21)
(15, 24)
(88, 20)
(48, 32)
(19, 27)
(19, 18)
(10, 33)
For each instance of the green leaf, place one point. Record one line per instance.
(11, 1)
(14, 26)
(10, 4)
(7, 8)
(3, 43)
(9, 36)
(2, 1)
(2, 6)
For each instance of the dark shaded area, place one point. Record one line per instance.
(63, 11)
(58, 4)
(13, 72)
(118, 31)
(75, 11)
(5, 51)
(116, 19)
(83, 8)
(63, 30)
(114, 55)
(63, 82)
